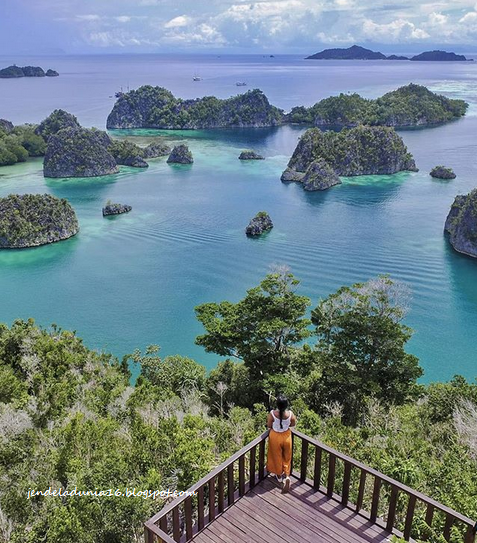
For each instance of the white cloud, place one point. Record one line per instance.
(396, 31)
(89, 17)
(123, 18)
(178, 22)
(436, 19)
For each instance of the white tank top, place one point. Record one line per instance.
(276, 423)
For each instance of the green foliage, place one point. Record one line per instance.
(56, 121)
(361, 342)
(363, 150)
(261, 329)
(20, 143)
(69, 417)
(411, 105)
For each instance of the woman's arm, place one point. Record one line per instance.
(293, 420)
(269, 421)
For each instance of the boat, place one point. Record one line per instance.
(241, 84)
(197, 78)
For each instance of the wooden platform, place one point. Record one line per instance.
(266, 515)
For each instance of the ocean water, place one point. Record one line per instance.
(129, 281)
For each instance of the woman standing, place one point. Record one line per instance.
(280, 420)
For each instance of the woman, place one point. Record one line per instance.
(279, 456)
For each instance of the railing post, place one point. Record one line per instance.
(242, 475)
(392, 509)
(409, 517)
(188, 517)
(220, 484)
(148, 535)
(230, 485)
(304, 460)
(346, 482)
(317, 469)
(470, 535)
(253, 454)
(331, 475)
(375, 499)
(261, 460)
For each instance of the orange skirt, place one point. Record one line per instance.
(279, 452)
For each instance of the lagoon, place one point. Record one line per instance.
(129, 281)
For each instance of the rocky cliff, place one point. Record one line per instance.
(78, 152)
(461, 224)
(180, 155)
(260, 224)
(30, 220)
(156, 107)
(364, 150)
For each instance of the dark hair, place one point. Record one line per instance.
(282, 404)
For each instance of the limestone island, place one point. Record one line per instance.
(441, 172)
(438, 56)
(156, 107)
(260, 224)
(461, 224)
(397, 57)
(115, 209)
(365, 150)
(248, 154)
(180, 155)
(12, 72)
(408, 106)
(30, 220)
(355, 52)
(78, 152)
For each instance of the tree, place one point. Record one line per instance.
(361, 342)
(260, 329)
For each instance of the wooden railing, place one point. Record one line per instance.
(393, 506)
(180, 520)
(374, 495)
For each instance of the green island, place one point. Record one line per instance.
(461, 224)
(321, 156)
(70, 149)
(409, 106)
(30, 220)
(70, 417)
(156, 107)
(14, 71)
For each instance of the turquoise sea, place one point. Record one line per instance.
(134, 280)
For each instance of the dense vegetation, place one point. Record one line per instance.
(69, 417)
(28, 220)
(18, 144)
(363, 150)
(411, 105)
(156, 107)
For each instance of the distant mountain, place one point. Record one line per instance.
(354, 52)
(438, 55)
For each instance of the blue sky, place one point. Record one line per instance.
(295, 26)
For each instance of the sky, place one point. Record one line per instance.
(234, 26)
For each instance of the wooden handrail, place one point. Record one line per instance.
(206, 489)
(179, 523)
(451, 516)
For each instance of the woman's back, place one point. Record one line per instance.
(284, 424)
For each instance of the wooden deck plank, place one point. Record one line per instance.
(322, 519)
(266, 515)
